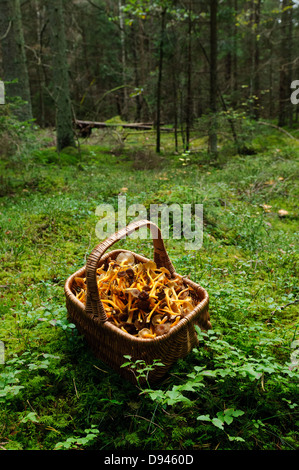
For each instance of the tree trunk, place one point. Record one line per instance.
(159, 84)
(256, 60)
(285, 64)
(290, 43)
(234, 58)
(189, 90)
(40, 25)
(14, 57)
(123, 59)
(136, 61)
(213, 77)
(61, 95)
(175, 111)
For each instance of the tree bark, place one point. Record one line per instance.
(40, 25)
(213, 77)
(234, 58)
(123, 59)
(159, 84)
(256, 60)
(14, 57)
(61, 94)
(189, 89)
(285, 63)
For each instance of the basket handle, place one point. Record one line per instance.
(93, 304)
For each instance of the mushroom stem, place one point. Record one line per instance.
(181, 292)
(175, 321)
(152, 311)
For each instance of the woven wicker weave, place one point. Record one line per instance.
(108, 342)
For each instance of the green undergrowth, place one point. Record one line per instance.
(239, 388)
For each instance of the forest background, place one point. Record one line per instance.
(211, 91)
(158, 62)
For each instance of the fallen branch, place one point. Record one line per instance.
(101, 125)
(280, 129)
(291, 303)
(282, 308)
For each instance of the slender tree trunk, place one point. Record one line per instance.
(175, 110)
(40, 71)
(234, 56)
(123, 58)
(64, 128)
(230, 120)
(14, 57)
(271, 107)
(229, 55)
(136, 73)
(213, 76)
(290, 43)
(285, 64)
(189, 89)
(159, 84)
(182, 118)
(256, 60)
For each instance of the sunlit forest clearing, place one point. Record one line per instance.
(210, 129)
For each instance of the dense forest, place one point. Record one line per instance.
(162, 62)
(118, 107)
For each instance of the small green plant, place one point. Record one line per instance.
(141, 369)
(9, 384)
(223, 418)
(77, 442)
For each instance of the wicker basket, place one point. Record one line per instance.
(108, 342)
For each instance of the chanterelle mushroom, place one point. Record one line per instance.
(125, 258)
(162, 329)
(145, 333)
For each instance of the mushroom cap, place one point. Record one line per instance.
(156, 319)
(282, 213)
(187, 307)
(135, 292)
(162, 329)
(144, 331)
(150, 265)
(125, 258)
(139, 324)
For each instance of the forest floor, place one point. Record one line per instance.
(241, 391)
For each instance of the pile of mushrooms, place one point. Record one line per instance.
(140, 298)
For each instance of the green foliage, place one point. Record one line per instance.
(76, 442)
(140, 369)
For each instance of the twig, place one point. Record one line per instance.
(284, 306)
(280, 129)
(149, 420)
(7, 31)
(102, 370)
(33, 409)
(291, 303)
(96, 6)
(77, 395)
